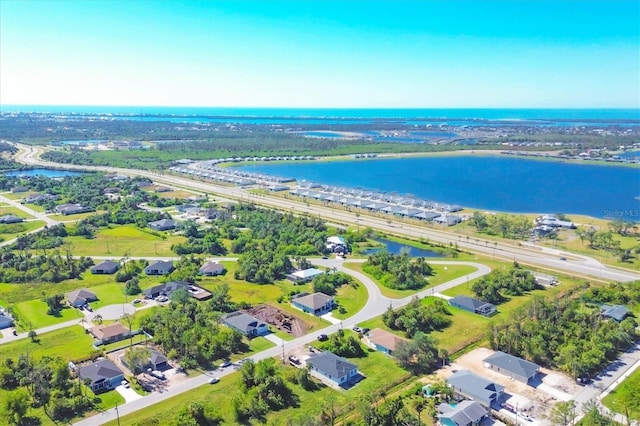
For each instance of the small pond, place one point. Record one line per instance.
(396, 248)
(52, 173)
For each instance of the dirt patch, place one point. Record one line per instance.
(281, 320)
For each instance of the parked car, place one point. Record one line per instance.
(225, 363)
(365, 330)
(135, 301)
(323, 337)
(157, 374)
(294, 359)
(214, 380)
(125, 384)
(357, 329)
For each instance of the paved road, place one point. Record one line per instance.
(27, 210)
(526, 254)
(376, 305)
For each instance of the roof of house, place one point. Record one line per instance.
(331, 364)
(513, 364)
(336, 240)
(161, 264)
(100, 370)
(103, 332)
(313, 301)
(308, 273)
(617, 312)
(469, 302)
(157, 358)
(474, 386)
(211, 267)
(107, 264)
(385, 339)
(167, 288)
(5, 319)
(464, 413)
(83, 293)
(242, 320)
(163, 223)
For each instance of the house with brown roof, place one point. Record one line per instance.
(80, 297)
(383, 341)
(110, 333)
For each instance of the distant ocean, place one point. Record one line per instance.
(368, 113)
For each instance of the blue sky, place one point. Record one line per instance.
(308, 53)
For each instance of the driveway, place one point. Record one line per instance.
(128, 394)
(114, 312)
(275, 339)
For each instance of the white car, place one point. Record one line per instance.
(125, 384)
(214, 380)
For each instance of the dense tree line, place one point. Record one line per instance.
(420, 355)
(263, 389)
(199, 241)
(613, 293)
(514, 281)
(45, 382)
(398, 271)
(417, 317)
(502, 224)
(190, 331)
(564, 334)
(53, 267)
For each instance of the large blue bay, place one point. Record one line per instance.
(484, 182)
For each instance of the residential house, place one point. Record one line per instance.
(447, 219)
(10, 218)
(383, 341)
(473, 305)
(162, 225)
(516, 368)
(615, 312)
(110, 333)
(474, 387)
(300, 277)
(159, 267)
(245, 324)
(317, 303)
(465, 413)
(332, 367)
(336, 244)
(158, 361)
(106, 267)
(5, 321)
(37, 198)
(111, 190)
(80, 297)
(166, 289)
(17, 189)
(72, 208)
(101, 375)
(211, 269)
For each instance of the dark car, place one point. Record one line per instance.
(323, 337)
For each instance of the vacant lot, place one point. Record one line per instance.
(70, 343)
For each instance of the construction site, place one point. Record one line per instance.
(279, 319)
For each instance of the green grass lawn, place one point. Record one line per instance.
(125, 239)
(34, 313)
(17, 195)
(380, 372)
(74, 217)
(138, 338)
(35, 207)
(441, 274)
(12, 230)
(615, 402)
(352, 299)
(176, 194)
(5, 209)
(70, 343)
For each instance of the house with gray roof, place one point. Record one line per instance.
(101, 375)
(5, 321)
(615, 312)
(474, 387)
(158, 361)
(211, 269)
(159, 267)
(106, 267)
(473, 305)
(466, 413)
(162, 225)
(72, 208)
(329, 366)
(517, 368)
(80, 297)
(10, 218)
(317, 303)
(245, 324)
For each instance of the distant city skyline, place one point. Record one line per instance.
(322, 54)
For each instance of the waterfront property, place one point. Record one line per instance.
(105, 267)
(383, 341)
(516, 368)
(159, 267)
(301, 277)
(101, 375)
(316, 303)
(329, 366)
(245, 324)
(472, 386)
(473, 305)
(465, 413)
(80, 297)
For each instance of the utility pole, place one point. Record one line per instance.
(117, 414)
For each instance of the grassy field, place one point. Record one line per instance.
(12, 230)
(34, 313)
(616, 404)
(441, 274)
(379, 370)
(125, 239)
(70, 343)
(4, 210)
(176, 194)
(35, 207)
(352, 299)
(74, 217)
